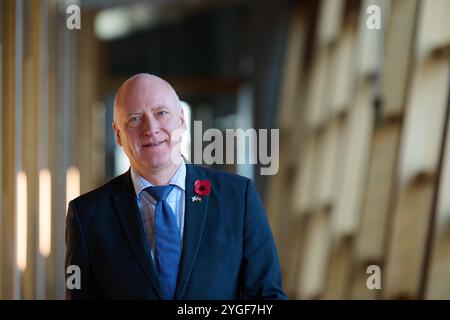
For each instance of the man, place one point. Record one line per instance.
(167, 229)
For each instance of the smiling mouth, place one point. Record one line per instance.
(152, 145)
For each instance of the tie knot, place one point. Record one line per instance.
(160, 193)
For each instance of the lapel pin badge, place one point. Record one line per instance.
(201, 188)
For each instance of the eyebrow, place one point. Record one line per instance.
(161, 107)
(134, 114)
(139, 113)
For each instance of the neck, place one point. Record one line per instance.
(159, 176)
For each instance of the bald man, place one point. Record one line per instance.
(167, 229)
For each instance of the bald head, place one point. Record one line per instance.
(142, 84)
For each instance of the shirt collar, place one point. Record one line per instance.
(178, 179)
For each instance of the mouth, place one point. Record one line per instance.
(153, 144)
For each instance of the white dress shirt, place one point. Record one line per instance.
(146, 203)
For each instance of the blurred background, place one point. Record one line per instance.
(359, 90)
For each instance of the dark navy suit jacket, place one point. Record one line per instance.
(228, 249)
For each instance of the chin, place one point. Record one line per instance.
(162, 162)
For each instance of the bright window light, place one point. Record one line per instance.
(72, 185)
(21, 220)
(45, 200)
(186, 142)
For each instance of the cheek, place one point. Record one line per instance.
(175, 132)
(130, 142)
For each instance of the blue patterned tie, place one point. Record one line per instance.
(168, 250)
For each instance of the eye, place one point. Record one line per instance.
(134, 120)
(162, 113)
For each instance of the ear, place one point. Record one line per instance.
(117, 133)
(182, 119)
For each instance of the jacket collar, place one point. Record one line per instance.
(194, 225)
(128, 212)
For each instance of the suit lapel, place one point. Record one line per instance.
(194, 224)
(129, 215)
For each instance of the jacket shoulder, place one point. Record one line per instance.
(109, 188)
(221, 175)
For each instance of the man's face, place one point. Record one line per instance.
(148, 124)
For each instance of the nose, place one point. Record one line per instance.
(151, 126)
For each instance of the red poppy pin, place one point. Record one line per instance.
(201, 188)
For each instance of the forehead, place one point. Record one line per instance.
(146, 94)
